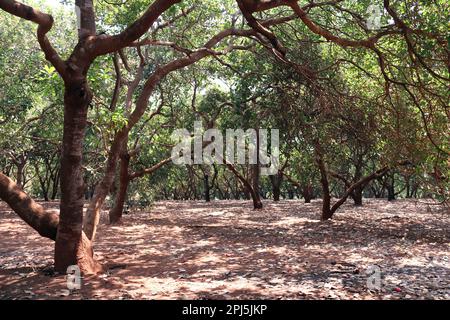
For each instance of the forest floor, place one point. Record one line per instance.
(225, 250)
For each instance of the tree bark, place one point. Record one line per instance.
(308, 193)
(115, 214)
(249, 192)
(326, 197)
(71, 246)
(19, 174)
(55, 184)
(207, 191)
(254, 191)
(44, 222)
(43, 181)
(305, 189)
(391, 188)
(256, 174)
(276, 193)
(291, 194)
(357, 196)
(92, 216)
(391, 193)
(276, 181)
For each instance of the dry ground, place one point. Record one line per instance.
(224, 250)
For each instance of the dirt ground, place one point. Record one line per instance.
(225, 250)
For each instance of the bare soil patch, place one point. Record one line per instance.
(225, 250)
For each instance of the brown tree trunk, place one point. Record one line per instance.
(42, 183)
(257, 203)
(44, 222)
(291, 194)
(71, 246)
(125, 178)
(254, 191)
(326, 197)
(308, 193)
(248, 190)
(357, 196)
(19, 174)
(391, 193)
(276, 193)
(328, 210)
(305, 189)
(92, 216)
(256, 174)
(55, 185)
(391, 188)
(115, 214)
(207, 191)
(408, 186)
(276, 181)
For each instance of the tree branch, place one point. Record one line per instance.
(44, 22)
(104, 45)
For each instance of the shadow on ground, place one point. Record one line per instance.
(224, 250)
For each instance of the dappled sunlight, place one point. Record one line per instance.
(224, 250)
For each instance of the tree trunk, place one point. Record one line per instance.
(276, 181)
(290, 194)
(19, 174)
(71, 247)
(55, 185)
(391, 193)
(326, 197)
(326, 205)
(254, 191)
(115, 214)
(256, 174)
(391, 188)
(43, 182)
(357, 196)
(257, 203)
(276, 193)
(305, 189)
(102, 190)
(308, 193)
(207, 191)
(246, 192)
(378, 192)
(408, 186)
(44, 222)
(248, 189)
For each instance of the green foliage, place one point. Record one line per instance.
(359, 116)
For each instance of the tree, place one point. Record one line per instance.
(70, 249)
